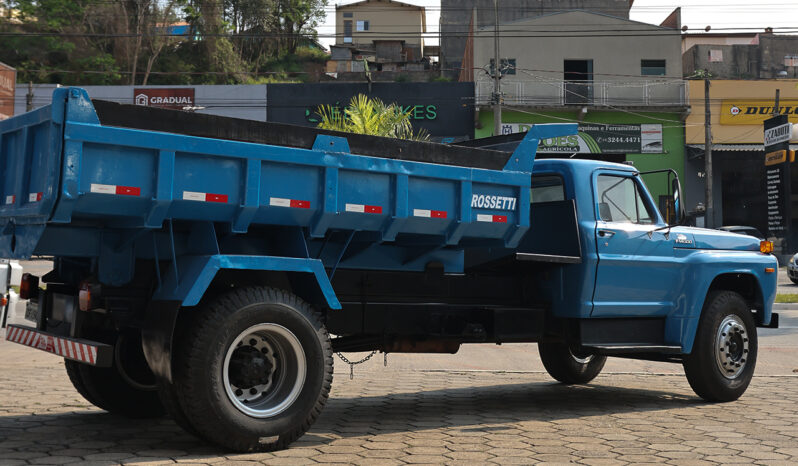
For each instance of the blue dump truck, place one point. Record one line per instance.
(209, 267)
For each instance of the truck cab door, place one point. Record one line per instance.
(636, 272)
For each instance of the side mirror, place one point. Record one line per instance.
(679, 213)
(671, 206)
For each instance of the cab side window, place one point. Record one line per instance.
(546, 188)
(619, 200)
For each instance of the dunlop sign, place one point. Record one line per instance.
(778, 134)
(755, 112)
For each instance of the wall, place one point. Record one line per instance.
(456, 16)
(445, 110)
(387, 20)
(764, 60)
(612, 55)
(242, 101)
(672, 137)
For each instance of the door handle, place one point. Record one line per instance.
(606, 233)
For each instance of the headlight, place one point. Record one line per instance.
(792, 260)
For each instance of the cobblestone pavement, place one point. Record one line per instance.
(385, 416)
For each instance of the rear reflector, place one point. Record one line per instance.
(364, 209)
(429, 213)
(293, 203)
(491, 218)
(204, 197)
(114, 189)
(35, 197)
(89, 352)
(10, 199)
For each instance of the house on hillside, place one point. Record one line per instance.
(386, 34)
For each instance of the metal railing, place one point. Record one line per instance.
(629, 93)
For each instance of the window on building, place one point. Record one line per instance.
(507, 66)
(348, 31)
(362, 26)
(348, 15)
(716, 55)
(652, 67)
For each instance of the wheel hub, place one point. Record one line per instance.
(731, 346)
(264, 370)
(250, 367)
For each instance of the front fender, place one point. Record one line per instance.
(702, 268)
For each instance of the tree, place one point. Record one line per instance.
(371, 116)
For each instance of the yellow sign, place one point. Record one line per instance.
(755, 112)
(778, 156)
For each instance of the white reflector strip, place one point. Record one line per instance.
(204, 197)
(364, 209)
(103, 188)
(294, 203)
(429, 213)
(10, 199)
(65, 347)
(192, 196)
(35, 197)
(491, 218)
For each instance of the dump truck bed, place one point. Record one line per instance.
(114, 166)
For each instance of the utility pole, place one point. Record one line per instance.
(709, 220)
(29, 97)
(497, 89)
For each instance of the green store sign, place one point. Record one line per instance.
(600, 138)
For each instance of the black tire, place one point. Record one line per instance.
(723, 310)
(127, 388)
(794, 280)
(170, 399)
(210, 366)
(568, 368)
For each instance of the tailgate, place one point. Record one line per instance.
(30, 157)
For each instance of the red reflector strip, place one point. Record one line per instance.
(491, 218)
(35, 197)
(364, 209)
(114, 189)
(429, 213)
(60, 346)
(10, 199)
(293, 203)
(204, 197)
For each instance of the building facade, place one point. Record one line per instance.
(460, 17)
(738, 109)
(385, 34)
(622, 84)
(765, 56)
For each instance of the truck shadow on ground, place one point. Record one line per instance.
(463, 409)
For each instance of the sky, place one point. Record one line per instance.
(720, 15)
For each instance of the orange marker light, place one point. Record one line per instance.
(3, 301)
(766, 247)
(29, 286)
(769, 270)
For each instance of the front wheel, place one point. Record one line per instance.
(254, 369)
(569, 368)
(794, 281)
(722, 362)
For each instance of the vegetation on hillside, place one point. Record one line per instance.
(161, 41)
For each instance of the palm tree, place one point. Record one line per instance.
(371, 116)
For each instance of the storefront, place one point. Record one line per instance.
(647, 140)
(738, 111)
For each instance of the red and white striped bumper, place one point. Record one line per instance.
(89, 352)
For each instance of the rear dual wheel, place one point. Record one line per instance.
(252, 370)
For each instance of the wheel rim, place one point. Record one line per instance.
(264, 370)
(731, 347)
(581, 359)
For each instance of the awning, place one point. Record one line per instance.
(737, 147)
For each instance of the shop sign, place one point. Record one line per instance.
(755, 112)
(778, 188)
(8, 85)
(778, 134)
(600, 138)
(174, 98)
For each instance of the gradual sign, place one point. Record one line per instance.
(178, 98)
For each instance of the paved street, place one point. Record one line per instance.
(441, 409)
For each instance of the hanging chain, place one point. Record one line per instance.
(352, 364)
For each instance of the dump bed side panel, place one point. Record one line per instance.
(30, 157)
